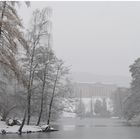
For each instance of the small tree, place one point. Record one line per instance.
(98, 107)
(80, 109)
(46, 58)
(118, 98)
(60, 71)
(132, 102)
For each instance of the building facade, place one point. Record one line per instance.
(88, 90)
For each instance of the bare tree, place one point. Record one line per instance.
(46, 60)
(38, 31)
(35, 35)
(60, 72)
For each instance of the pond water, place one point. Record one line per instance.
(84, 128)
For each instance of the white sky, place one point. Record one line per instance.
(95, 37)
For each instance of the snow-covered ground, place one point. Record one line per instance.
(14, 129)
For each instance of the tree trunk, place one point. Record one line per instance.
(31, 77)
(41, 109)
(50, 106)
(42, 95)
(29, 108)
(23, 122)
(41, 105)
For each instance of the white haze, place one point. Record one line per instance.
(100, 38)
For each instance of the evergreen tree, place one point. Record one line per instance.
(132, 102)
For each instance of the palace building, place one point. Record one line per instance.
(88, 90)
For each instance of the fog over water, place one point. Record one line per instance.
(96, 38)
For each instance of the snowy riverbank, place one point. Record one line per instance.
(26, 128)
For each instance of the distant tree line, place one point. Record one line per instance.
(127, 100)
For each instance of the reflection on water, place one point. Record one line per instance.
(68, 127)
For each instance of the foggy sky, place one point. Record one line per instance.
(95, 37)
